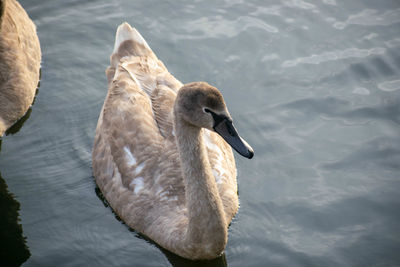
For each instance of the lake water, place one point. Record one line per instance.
(313, 86)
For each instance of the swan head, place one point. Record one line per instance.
(202, 105)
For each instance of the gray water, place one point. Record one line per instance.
(314, 87)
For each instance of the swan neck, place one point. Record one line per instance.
(207, 227)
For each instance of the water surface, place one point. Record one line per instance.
(314, 87)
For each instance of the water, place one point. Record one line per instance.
(314, 87)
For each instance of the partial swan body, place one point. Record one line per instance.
(20, 57)
(162, 155)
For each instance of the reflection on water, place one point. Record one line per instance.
(17, 125)
(177, 261)
(13, 248)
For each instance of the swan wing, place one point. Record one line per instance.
(136, 58)
(160, 86)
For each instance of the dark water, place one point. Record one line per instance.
(313, 86)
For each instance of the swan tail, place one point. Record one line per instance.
(128, 42)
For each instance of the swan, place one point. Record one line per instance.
(20, 58)
(161, 154)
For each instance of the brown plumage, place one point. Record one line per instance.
(19, 62)
(156, 156)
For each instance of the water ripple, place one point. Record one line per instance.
(218, 26)
(372, 155)
(332, 107)
(298, 4)
(329, 2)
(390, 86)
(334, 55)
(370, 17)
(393, 43)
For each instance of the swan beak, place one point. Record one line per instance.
(227, 131)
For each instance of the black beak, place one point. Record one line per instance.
(224, 127)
